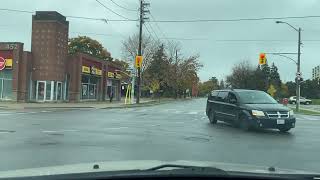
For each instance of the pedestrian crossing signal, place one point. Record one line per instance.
(262, 59)
(138, 62)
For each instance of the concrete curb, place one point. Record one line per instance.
(118, 106)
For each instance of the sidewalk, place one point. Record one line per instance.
(64, 105)
(312, 108)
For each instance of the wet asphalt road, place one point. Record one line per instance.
(173, 131)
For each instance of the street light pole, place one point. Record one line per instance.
(298, 72)
(298, 75)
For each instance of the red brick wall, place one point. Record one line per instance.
(74, 69)
(25, 69)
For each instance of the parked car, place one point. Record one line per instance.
(303, 100)
(249, 109)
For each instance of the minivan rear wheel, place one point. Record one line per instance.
(212, 117)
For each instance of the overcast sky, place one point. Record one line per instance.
(217, 56)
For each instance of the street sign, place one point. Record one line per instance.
(138, 62)
(2, 63)
(262, 59)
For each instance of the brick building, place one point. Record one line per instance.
(48, 73)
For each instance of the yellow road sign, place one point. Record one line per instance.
(138, 62)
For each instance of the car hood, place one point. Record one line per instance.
(139, 165)
(266, 107)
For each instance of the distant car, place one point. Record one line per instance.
(249, 109)
(303, 100)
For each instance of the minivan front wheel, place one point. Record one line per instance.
(244, 124)
(212, 117)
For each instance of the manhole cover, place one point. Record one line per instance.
(198, 139)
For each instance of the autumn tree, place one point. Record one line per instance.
(130, 47)
(242, 76)
(156, 71)
(206, 87)
(89, 46)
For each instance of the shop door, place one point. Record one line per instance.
(115, 92)
(41, 91)
(59, 91)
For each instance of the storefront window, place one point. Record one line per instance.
(48, 91)
(6, 85)
(84, 91)
(41, 90)
(59, 90)
(89, 87)
(112, 88)
(92, 91)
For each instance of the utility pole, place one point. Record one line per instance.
(298, 72)
(142, 18)
(176, 74)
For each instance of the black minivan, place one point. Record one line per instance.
(249, 109)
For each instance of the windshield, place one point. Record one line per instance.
(89, 81)
(256, 97)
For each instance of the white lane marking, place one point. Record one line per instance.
(15, 113)
(116, 128)
(70, 130)
(45, 111)
(50, 131)
(193, 112)
(155, 125)
(60, 131)
(4, 132)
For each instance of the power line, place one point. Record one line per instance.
(112, 10)
(239, 40)
(153, 31)
(123, 6)
(157, 25)
(150, 33)
(74, 17)
(102, 19)
(97, 34)
(15, 10)
(178, 21)
(234, 20)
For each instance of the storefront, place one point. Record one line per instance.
(113, 84)
(48, 91)
(48, 73)
(6, 75)
(91, 75)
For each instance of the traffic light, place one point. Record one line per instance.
(138, 62)
(262, 59)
